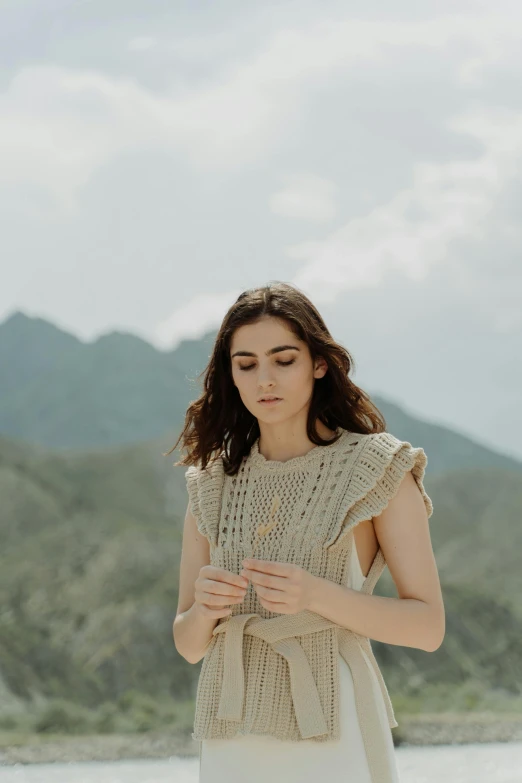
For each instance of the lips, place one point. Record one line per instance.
(269, 399)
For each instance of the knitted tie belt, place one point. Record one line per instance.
(280, 633)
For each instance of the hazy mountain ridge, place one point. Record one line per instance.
(68, 395)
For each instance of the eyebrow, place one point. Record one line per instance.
(270, 351)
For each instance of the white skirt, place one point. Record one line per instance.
(259, 759)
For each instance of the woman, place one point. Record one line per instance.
(298, 498)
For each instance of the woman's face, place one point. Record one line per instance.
(268, 359)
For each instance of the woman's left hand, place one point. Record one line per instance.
(281, 587)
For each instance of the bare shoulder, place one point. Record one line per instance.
(402, 530)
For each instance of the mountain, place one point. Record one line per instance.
(67, 394)
(64, 394)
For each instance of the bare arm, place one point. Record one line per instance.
(204, 595)
(191, 630)
(416, 618)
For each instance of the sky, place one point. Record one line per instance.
(156, 159)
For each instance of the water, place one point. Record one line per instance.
(494, 762)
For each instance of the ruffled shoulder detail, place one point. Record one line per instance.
(374, 479)
(205, 489)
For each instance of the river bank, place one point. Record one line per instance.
(435, 729)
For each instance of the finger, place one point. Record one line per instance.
(216, 599)
(270, 603)
(259, 578)
(227, 577)
(276, 596)
(224, 588)
(268, 567)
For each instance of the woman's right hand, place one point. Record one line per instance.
(215, 589)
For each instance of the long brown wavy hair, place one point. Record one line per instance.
(219, 424)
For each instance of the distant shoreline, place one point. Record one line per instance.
(448, 729)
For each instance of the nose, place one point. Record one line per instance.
(265, 386)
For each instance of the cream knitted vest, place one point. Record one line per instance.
(276, 674)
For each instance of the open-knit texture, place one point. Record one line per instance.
(276, 674)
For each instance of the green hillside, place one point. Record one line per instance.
(89, 556)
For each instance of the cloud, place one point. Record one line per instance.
(197, 316)
(307, 197)
(141, 43)
(122, 195)
(58, 125)
(414, 230)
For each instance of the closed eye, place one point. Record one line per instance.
(283, 364)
